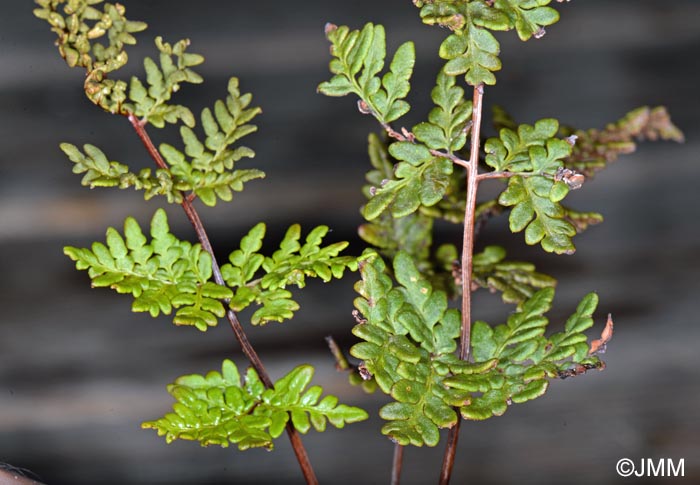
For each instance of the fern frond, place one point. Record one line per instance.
(525, 358)
(358, 58)
(535, 195)
(263, 280)
(161, 275)
(210, 169)
(595, 149)
(222, 409)
(535, 200)
(446, 128)
(408, 333)
(517, 281)
(471, 49)
(80, 26)
(151, 104)
(510, 151)
(100, 172)
(529, 17)
(420, 179)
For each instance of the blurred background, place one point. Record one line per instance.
(79, 372)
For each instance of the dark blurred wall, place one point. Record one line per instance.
(79, 371)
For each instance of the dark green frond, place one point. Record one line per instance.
(523, 358)
(358, 58)
(517, 281)
(535, 198)
(408, 333)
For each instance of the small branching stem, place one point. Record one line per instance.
(405, 135)
(239, 332)
(467, 257)
(455, 159)
(500, 175)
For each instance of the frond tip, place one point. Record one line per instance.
(222, 409)
(208, 168)
(358, 57)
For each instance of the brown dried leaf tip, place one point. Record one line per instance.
(364, 372)
(598, 346)
(580, 369)
(570, 177)
(363, 107)
(329, 27)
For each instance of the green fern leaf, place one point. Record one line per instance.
(408, 336)
(413, 233)
(221, 409)
(528, 16)
(446, 125)
(516, 359)
(151, 104)
(165, 274)
(510, 151)
(473, 53)
(535, 200)
(517, 281)
(211, 172)
(420, 178)
(263, 280)
(358, 57)
(100, 172)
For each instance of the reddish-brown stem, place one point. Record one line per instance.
(448, 459)
(496, 175)
(246, 346)
(505, 175)
(455, 159)
(467, 253)
(396, 464)
(470, 209)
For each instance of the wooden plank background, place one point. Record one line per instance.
(79, 372)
